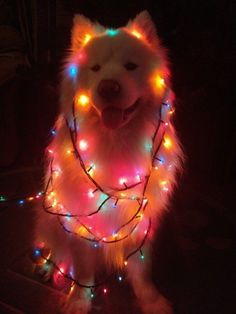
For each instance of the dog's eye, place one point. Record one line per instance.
(130, 66)
(95, 68)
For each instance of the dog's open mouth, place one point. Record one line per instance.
(114, 118)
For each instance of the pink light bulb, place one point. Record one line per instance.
(83, 145)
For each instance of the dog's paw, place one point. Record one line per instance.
(45, 271)
(80, 306)
(160, 306)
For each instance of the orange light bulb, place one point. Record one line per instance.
(136, 34)
(82, 100)
(159, 82)
(87, 38)
(167, 142)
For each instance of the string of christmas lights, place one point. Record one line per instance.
(73, 136)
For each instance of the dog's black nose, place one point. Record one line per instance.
(109, 89)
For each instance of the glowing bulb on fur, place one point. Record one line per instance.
(136, 34)
(82, 100)
(115, 235)
(123, 181)
(81, 57)
(167, 142)
(83, 145)
(138, 178)
(104, 290)
(87, 38)
(112, 32)
(164, 185)
(159, 82)
(81, 230)
(125, 263)
(90, 193)
(54, 204)
(68, 217)
(57, 172)
(73, 70)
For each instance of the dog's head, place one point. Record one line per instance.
(118, 73)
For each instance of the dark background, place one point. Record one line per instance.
(194, 256)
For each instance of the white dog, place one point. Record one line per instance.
(112, 162)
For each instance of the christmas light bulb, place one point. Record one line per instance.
(138, 178)
(73, 70)
(120, 278)
(122, 181)
(90, 193)
(104, 290)
(37, 252)
(87, 38)
(2, 198)
(82, 100)
(57, 172)
(112, 32)
(83, 145)
(125, 263)
(68, 217)
(81, 57)
(167, 142)
(115, 235)
(159, 82)
(136, 34)
(53, 132)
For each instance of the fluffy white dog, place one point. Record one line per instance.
(112, 162)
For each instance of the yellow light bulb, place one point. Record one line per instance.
(82, 100)
(167, 142)
(136, 34)
(163, 182)
(159, 82)
(87, 38)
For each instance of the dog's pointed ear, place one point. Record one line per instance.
(83, 30)
(143, 23)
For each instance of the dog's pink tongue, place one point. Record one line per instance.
(112, 117)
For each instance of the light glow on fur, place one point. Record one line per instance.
(136, 34)
(73, 70)
(82, 100)
(167, 142)
(112, 32)
(122, 181)
(83, 145)
(87, 38)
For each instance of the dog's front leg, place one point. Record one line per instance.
(150, 299)
(79, 298)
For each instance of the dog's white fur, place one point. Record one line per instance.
(115, 153)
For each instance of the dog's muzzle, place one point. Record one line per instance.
(114, 118)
